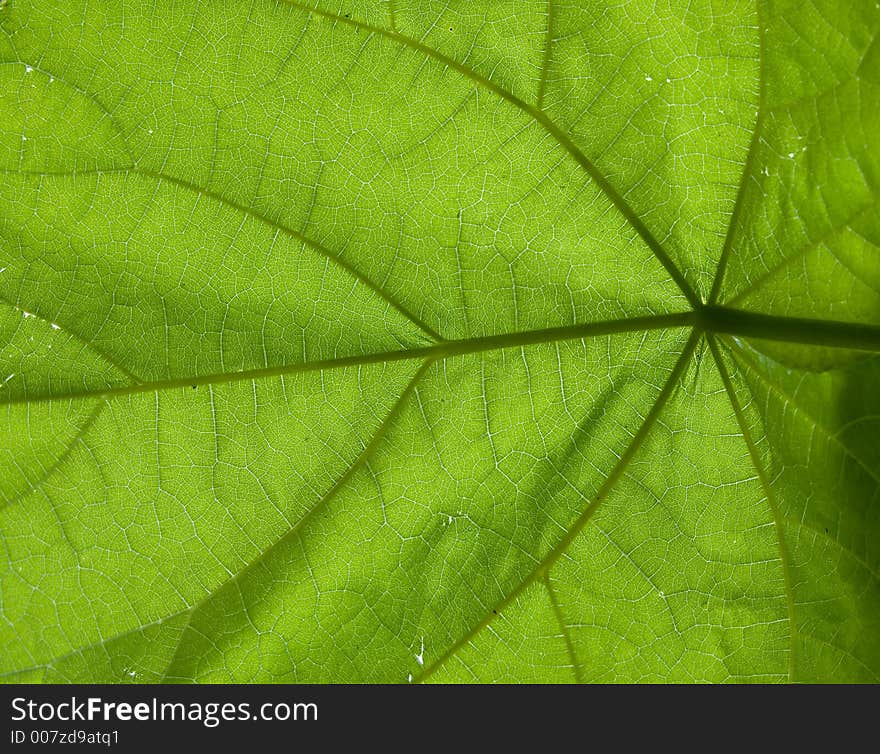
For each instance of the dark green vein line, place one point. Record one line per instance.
(820, 533)
(255, 215)
(566, 634)
(749, 166)
(65, 329)
(714, 319)
(843, 650)
(295, 530)
(37, 66)
(542, 119)
(822, 241)
(814, 332)
(544, 567)
(771, 501)
(53, 662)
(443, 350)
(746, 360)
(291, 533)
(62, 457)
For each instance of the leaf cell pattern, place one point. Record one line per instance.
(417, 340)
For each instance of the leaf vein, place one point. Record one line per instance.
(544, 566)
(541, 119)
(784, 555)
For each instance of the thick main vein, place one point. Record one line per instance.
(442, 350)
(815, 332)
(708, 319)
(540, 117)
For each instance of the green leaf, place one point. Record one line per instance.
(410, 340)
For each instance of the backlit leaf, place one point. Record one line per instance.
(417, 340)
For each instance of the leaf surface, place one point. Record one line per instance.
(426, 341)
